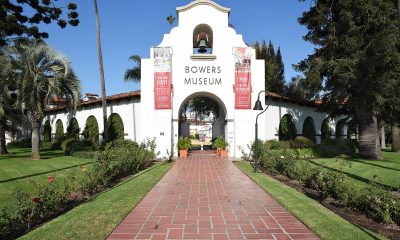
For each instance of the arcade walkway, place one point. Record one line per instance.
(204, 197)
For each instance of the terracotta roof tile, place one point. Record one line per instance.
(112, 98)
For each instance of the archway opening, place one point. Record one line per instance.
(340, 129)
(202, 118)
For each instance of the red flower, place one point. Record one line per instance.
(50, 179)
(36, 200)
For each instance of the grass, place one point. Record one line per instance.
(98, 217)
(17, 170)
(323, 222)
(387, 171)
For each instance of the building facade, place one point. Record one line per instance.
(202, 57)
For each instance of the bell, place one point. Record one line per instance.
(258, 105)
(202, 46)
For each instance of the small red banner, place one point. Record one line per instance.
(242, 85)
(162, 78)
(162, 90)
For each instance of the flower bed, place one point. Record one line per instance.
(51, 198)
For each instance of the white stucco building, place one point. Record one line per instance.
(202, 56)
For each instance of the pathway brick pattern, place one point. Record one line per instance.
(204, 197)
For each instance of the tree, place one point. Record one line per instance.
(8, 111)
(355, 62)
(277, 84)
(14, 22)
(134, 74)
(269, 66)
(274, 67)
(101, 66)
(41, 72)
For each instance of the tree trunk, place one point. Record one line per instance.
(383, 140)
(3, 148)
(35, 140)
(102, 80)
(396, 136)
(369, 146)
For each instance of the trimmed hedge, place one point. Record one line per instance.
(73, 129)
(115, 127)
(309, 129)
(287, 129)
(91, 131)
(47, 132)
(59, 130)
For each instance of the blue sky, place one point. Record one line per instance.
(132, 27)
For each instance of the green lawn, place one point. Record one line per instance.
(17, 169)
(387, 170)
(323, 222)
(98, 217)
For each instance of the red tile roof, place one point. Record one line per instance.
(112, 98)
(275, 96)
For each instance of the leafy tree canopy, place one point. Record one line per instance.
(15, 21)
(274, 67)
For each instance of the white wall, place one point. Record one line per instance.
(129, 110)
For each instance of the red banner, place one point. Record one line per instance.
(242, 85)
(162, 90)
(162, 78)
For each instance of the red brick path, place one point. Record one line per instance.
(204, 197)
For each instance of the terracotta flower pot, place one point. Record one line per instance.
(183, 154)
(223, 153)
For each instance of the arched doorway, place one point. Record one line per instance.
(202, 118)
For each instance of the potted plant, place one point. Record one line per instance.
(184, 144)
(220, 144)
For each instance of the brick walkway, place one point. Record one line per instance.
(204, 197)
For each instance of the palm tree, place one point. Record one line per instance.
(7, 98)
(102, 80)
(41, 73)
(134, 74)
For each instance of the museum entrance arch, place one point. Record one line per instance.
(202, 118)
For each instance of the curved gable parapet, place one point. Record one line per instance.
(203, 2)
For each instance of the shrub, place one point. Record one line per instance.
(336, 147)
(220, 143)
(59, 130)
(73, 129)
(184, 143)
(115, 127)
(47, 131)
(119, 159)
(85, 154)
(25, 143)
(301, 142)
(309, 129)
(287, 129)
(72, 145)
(91, 131)
(275, 144)
(46, 145)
